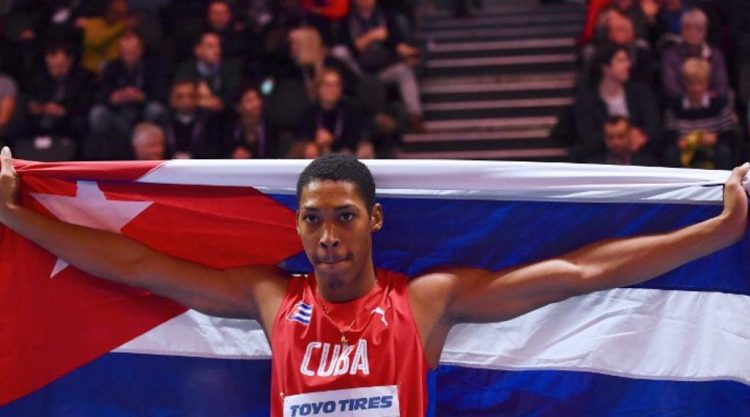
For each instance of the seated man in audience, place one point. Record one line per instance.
(634, 10)
(620, 149)
(101, 34)
(191, 131)
(700, 129)
(375, 44)
(59, 96)
(694, 30)
(248, 135)
(133, 89)
(148, 142)
(613, 95)
(218, 79)
(235, 39)
(333, 124)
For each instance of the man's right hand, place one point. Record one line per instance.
(8, 183)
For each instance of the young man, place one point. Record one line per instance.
(619, 146)
(350, 336)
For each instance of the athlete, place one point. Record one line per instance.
(351, 338)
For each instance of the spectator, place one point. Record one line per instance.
(621, 31)
(375, 44)
(59, 97)
(132, 90)
(630, 8)
(148, 142)
(235, 40)
(700, 129)
(101, 35)
(333, 124)
(295, 90)
(191, 131)
(248, 135)
(619, 144)
(288, 15)
(218, 80)
(693, 44)
(614, 95)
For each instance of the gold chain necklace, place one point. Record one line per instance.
(345, 330)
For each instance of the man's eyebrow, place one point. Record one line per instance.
(339, 208)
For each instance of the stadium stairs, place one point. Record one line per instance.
(494, 83)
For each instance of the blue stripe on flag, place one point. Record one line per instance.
(125, 385)
(128, 385)
(485, 393)
(421, 234)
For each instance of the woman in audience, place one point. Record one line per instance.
(614, 95)
(333, 124)
(248, 135)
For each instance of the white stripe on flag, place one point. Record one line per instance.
(639, 333)
(527, 181)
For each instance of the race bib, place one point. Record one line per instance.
(356, 402)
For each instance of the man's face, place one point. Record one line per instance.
(620, 30)
(251, 104)
(617, 137)
(149, 147)
(184, 98)
(58, 64)
(219, 15)
(130, 50)
(694, 34)
(209, 49)
(330, 90)
(336, 232)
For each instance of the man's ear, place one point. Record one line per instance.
(296, 222)
(376, 217)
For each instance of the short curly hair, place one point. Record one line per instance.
(340, 167)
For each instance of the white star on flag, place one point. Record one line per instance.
(90, 208)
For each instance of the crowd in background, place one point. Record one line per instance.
(117, 79)
(661, 83)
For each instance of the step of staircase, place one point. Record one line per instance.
(495, 83)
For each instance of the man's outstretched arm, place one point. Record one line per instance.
(228, 293)
(472, 295)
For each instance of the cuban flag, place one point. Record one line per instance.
(678, 345)
(301, 314)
